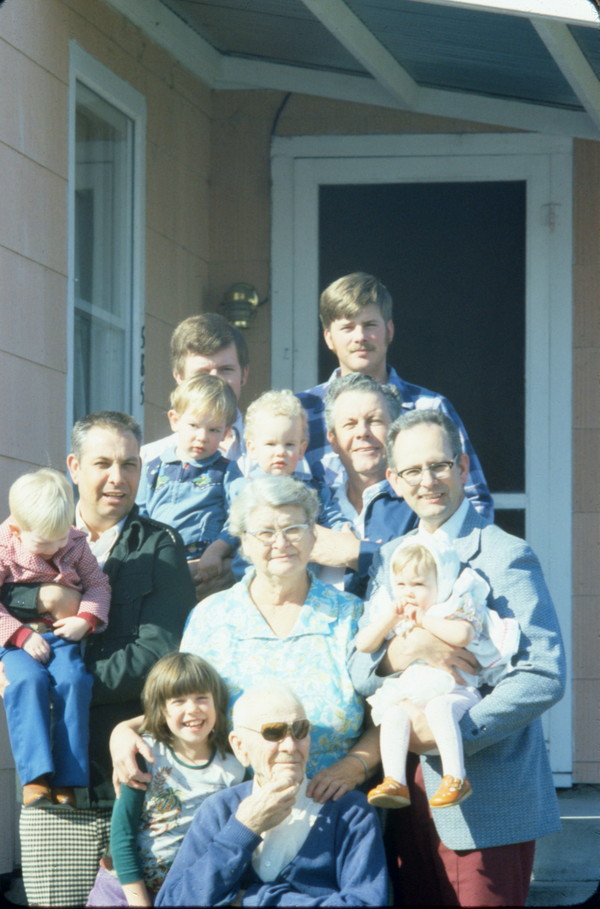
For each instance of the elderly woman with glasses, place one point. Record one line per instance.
(280, 620)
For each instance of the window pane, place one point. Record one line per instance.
(512, 520)
(103, 255)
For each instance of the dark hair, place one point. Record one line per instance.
(418, 418)
(348, 296)
(205, 334)
(108, 419)
(178, 674)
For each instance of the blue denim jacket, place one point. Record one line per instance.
(191, 496)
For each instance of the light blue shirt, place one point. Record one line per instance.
(228, 630)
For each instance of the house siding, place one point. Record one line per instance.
(208, 225)
(34, 62)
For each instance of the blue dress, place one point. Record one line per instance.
(228, 630)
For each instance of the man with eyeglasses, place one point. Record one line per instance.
(265, 842)
(478, 853)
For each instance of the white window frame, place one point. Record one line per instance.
(84, 68)
(301, 165)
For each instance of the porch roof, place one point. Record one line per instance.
(526, 64)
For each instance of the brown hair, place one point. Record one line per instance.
(205, 335)
(348, 296)
(178, 674)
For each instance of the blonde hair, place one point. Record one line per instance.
(175, 675)
(279, 404)
(206, 394)
(42, 502)
(414, 554)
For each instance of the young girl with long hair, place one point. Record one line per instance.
(185, 726)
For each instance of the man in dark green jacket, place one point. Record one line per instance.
(152, 594)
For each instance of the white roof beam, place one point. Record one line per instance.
(252, 74)
(171, 33)
(353, 34)
(573, 65)
(571, 12)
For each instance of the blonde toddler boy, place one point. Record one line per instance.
(40, 651)
(189, 485)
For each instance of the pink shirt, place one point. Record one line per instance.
(72, 566)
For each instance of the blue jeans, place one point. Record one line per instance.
(44, 741)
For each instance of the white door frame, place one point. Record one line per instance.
(301, 165)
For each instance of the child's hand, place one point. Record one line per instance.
(413, 613)
(37, 647)
(74, 628)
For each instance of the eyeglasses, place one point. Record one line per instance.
(439, 471)
(292, 534)
(277, 732)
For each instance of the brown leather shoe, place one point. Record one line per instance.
(64, 797)
(37, 794)
(389, 794)
(452, 791)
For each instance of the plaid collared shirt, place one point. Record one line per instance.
(324, 463)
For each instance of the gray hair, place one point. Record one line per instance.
(269, 689)
(356, 381)
(278, 492)
(420, 418)
(106, 419)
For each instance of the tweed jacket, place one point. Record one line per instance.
(506, 761)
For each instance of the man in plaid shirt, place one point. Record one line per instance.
(356, 315)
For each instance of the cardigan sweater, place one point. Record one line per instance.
(341, 863)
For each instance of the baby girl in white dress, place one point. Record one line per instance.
(433, 593)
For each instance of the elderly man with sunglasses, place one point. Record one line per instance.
(266, 842)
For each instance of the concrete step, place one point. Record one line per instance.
(567, 863)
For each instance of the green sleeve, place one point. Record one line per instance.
(124, 826)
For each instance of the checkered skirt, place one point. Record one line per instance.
(60, 853)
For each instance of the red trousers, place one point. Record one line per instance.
(426, 873)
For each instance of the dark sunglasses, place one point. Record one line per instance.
(276, 732)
